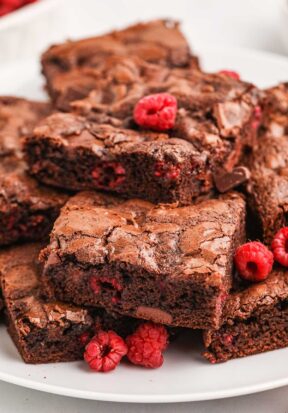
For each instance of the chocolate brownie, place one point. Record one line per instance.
(17, 118)
(162, 263)
(42, 331)
(254, 320)
(213, 126)
(48, 331)
(268, 187)
(27, 209)
(69, 67)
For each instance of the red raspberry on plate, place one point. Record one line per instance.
(146, 344)
(230, 73)
(253, 261)
(280, 246)
(105, 351)
(156, 112)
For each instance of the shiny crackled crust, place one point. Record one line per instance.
(168, 264)
(254, 320)
(42, 331)
(268, 186)
(17, 118)
(158, 41)
(213, 126)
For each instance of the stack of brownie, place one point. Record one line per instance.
(142, 163)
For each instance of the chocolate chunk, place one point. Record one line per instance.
(224, 181)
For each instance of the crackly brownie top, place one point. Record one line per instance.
(256, 297)
(19, 269)
(17, 118)
(158, 41)
(16, 187)
(222, 102)
(75, 132)
(211, 110)
(180, 242)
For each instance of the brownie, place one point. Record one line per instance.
(48, 331)
(104, 149)
(268, 187)
(17, 118)
(254, 320)
(27, 209)
(69, 67)
(157, 262)
(42, 331)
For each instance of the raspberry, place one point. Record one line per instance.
(167, 171)
(105, 351)
(230, 73)
(109, 175)
(146, 344)
(98, 283)
(253, 261)
(157, 112)
(280, 246)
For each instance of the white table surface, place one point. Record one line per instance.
(245, 23)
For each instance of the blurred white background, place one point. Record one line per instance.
(243, 23)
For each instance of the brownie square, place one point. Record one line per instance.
(254, 320)
(268, 187)
(161, 263)
(213, 127)
(27, 209)
(69, 67)
(42, 331)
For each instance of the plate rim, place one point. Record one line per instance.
(67, 391)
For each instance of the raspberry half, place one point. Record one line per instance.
(156, 112)
(280, 246)
(146, 344)
(105, 351)
(253, 261)
(230, 73)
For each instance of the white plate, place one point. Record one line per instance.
(185, 376)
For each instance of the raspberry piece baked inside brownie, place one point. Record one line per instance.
(69, 67)
(212, 126)
(161, 263)
(254, 321)
(268, 186)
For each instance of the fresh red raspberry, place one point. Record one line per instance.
(230, 73)
(280, 246)
(253, 261)
(105, 351)
(146, 344)
(156, 112)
